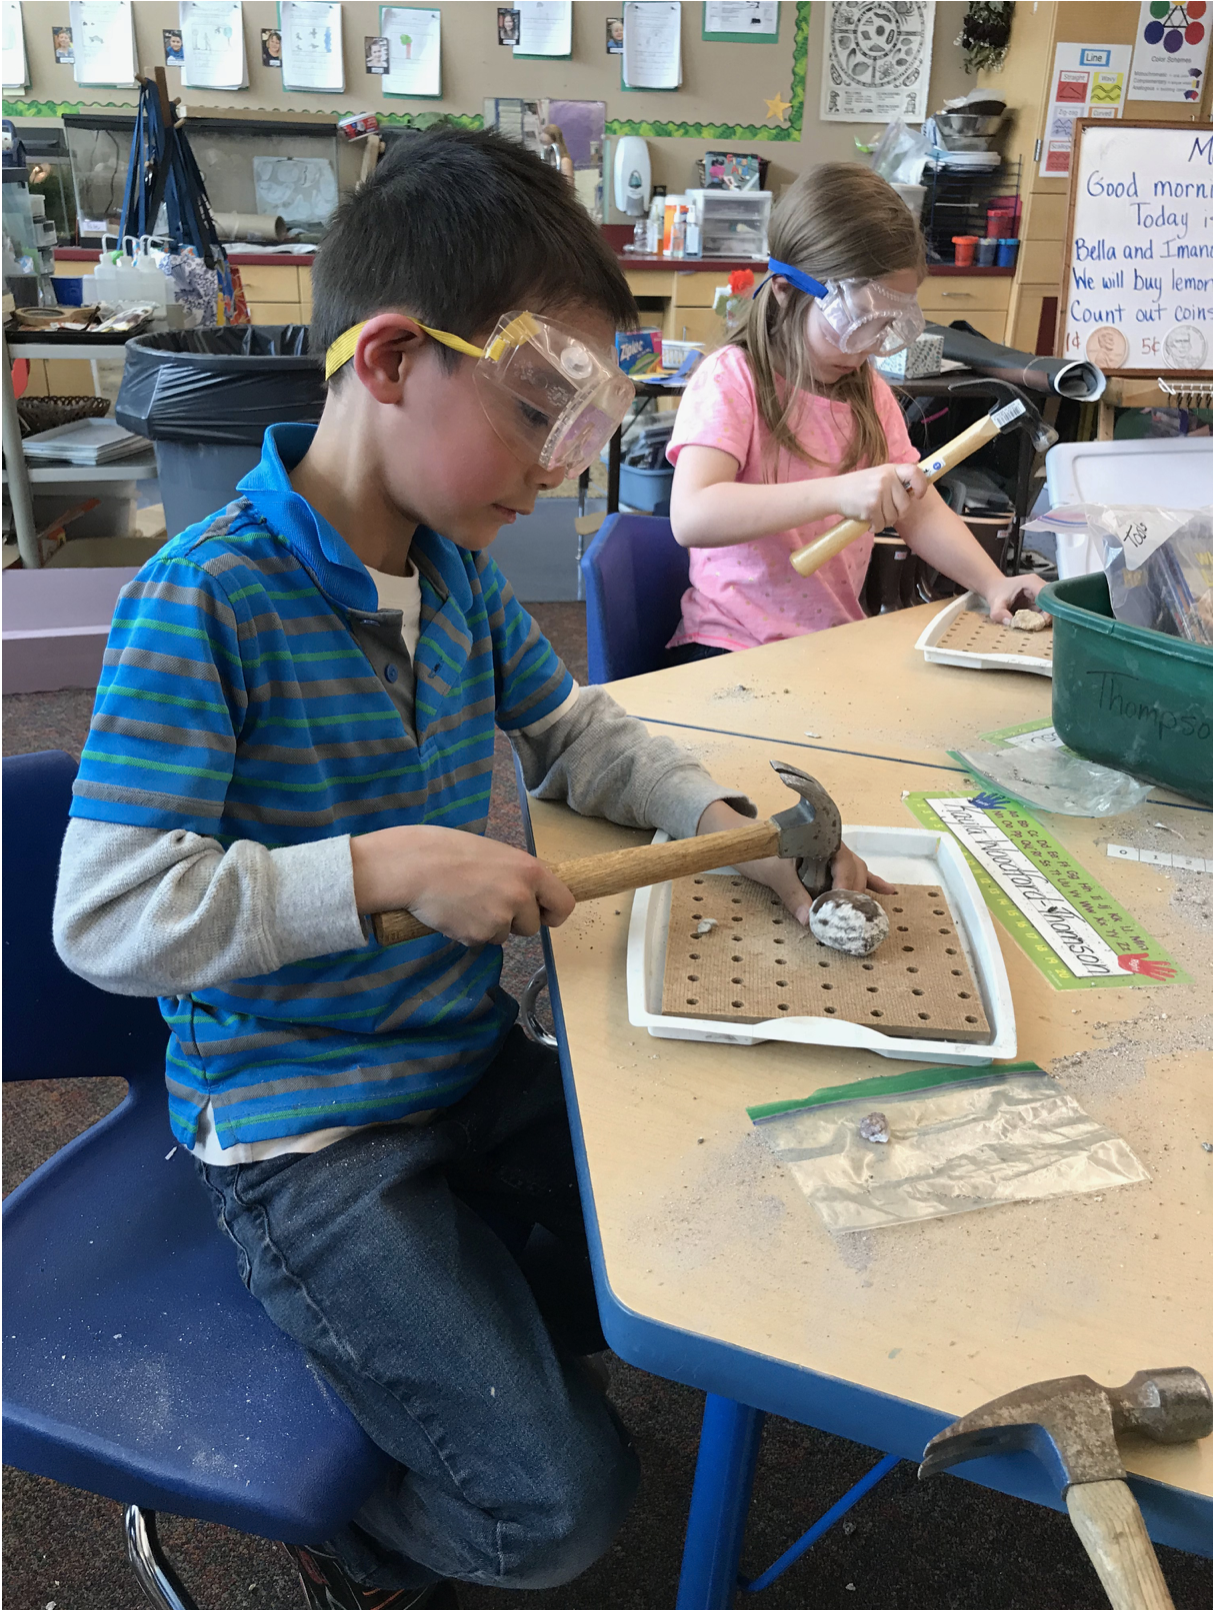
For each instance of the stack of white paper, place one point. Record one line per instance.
(414, 35)
(16, 73)
(311, 45)
(545, 28)
(84, 441)
(103, 42)
(652, 45)
(212, 38)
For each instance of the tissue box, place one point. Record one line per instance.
(924, 358)
(639, 352)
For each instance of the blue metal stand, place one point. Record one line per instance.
(820, 1528)
(720, 1498)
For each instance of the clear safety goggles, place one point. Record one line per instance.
(550, 398)
(862, 316)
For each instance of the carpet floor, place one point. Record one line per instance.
(941, 1545)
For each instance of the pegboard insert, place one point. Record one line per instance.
(757, 962)
(975, 633)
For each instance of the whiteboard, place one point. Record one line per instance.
(1137, 295)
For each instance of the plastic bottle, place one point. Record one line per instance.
(153, 287)
(653, 227)
(678, 233)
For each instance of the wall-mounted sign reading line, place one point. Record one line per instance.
(1070, 927)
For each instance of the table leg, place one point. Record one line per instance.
(720, 1498)
(20, 497)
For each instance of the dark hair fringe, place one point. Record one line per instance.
(457, 227)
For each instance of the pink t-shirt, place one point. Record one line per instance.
(749, 594)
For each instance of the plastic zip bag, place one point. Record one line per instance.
(1157, 562)
(1055, 779)
(956, 1140)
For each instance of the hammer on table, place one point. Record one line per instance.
(808, 832)
(1072, 1425)
(1012, 411)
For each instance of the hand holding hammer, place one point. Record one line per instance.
(1072, 1425)
(807, 834)
(1013, 412)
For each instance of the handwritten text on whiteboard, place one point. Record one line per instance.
(1141, 271)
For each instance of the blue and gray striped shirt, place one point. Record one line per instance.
(253, 689)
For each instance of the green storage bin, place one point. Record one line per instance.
(1129, 698)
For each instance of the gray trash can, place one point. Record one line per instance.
(204, 398)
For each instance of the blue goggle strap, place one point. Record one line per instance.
(795, 277)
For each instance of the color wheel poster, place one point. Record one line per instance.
(1171, 44)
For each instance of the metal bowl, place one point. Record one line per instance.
(966, 131)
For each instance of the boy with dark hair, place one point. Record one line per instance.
(275, 755)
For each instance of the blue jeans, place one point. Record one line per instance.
(453, 1344)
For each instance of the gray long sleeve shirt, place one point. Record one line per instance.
(142, 912)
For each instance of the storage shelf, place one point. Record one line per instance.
(140, 467)
(68, 351)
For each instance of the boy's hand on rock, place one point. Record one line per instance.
(848, 871)
(471, 889)
(880, 496)
(1012, 593)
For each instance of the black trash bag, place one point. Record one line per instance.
(220, 385)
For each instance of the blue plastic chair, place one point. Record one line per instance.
(136, 1365)
(635, 575)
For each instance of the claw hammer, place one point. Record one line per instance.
(1014, 412)
(1072, 1425)
(808, 832)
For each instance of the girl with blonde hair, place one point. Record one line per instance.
(788, 428)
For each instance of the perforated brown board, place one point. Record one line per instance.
(974, 633)
(757, 962)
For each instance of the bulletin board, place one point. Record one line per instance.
(1138, 263)
(729, 93)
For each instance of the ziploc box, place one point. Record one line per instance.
(925, 357)
(639, 352)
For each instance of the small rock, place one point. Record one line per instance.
(705, 927)
(875, 1127)
(848, 921)
(1207, 1146)
(1030, 620)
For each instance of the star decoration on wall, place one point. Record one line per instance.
(778, 107)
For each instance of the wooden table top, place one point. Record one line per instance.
(702, 1229)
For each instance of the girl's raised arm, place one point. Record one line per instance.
(710, 508)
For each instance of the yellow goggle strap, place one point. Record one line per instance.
(517, 332)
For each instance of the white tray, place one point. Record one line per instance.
(898, 854)
(939, 624)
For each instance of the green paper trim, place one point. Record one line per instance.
(890, 1084)
(737, 39)
(739, 131)
(418, 120)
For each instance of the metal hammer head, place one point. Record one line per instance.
(1014, 412)
(810, 830)
(1071, 1424)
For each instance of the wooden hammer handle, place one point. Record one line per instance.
(1112, 1530)
(815, 554)
(592, 876)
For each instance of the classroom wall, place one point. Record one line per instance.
(1025, 80)
(722, 83)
